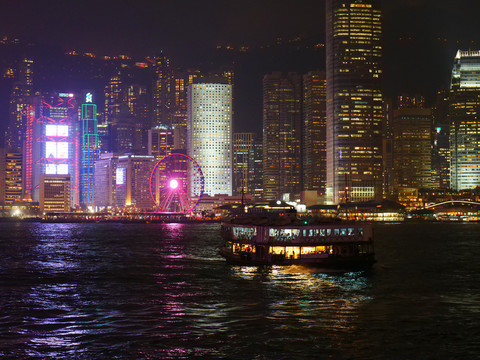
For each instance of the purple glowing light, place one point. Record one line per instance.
(173, 184)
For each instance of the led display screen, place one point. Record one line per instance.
(56, 130)
(56, 150)
(120, 178)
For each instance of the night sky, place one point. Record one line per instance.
(421, 37)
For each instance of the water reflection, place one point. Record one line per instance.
(161, 291)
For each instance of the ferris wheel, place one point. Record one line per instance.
(176, 184)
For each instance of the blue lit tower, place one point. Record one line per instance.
(89, 150)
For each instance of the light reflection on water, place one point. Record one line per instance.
(95, 291)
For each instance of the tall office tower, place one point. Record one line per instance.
(11, 182)
(282, 123)
(242, 150)
(122, 132)
(464, 121)
(105, 180)
(441, 142)
(314, 131)
(209, 133)
(55, 142)
(160, 141)
(89, 150)
(133, 181)
(138, 105)
(255, 169)
(162, 92)
(114, 96)
(19, 105)
(412, 140)
(54, 194)
(354, 100)
(179, 107)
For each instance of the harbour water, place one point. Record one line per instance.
(161, 291)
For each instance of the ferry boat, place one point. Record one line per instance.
(334, 245)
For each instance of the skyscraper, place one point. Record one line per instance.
(162, 91)
(56, 143)
(354, 100)
(282, 94)
(314, 131)
(11, 182)
(90, 150)
(242, 150)
(209, 133)
(19, 105)
(412, 140)
(465, 121)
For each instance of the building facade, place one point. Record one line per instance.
(54, 194)
(354, 100)
(282, 122)
(105, 180)
(132, 182)
(209, 134)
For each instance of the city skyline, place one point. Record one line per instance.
(414, 30)
(332, 133)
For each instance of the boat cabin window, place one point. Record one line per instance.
(336, 232)
(244, 232)
(322, 232)
(284, 234)
(343, 232)
(360, 231)
(351, 231)
(329, 232)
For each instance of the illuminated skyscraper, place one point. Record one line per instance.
(242, 150)
(19, 105)
(412, 140)
(89, 150)
(11, 182)
(314, 131)
(464, 121)
(114, 93)
(162, 92)
(282, 122)
(354, 100)
(138, 105)
(209, 134)
(55, 142)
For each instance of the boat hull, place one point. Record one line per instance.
(338, 263)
